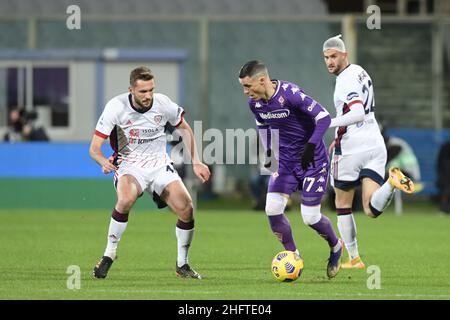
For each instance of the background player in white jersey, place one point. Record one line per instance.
(134, 122)
(359, 150)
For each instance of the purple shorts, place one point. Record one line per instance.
(312, 182)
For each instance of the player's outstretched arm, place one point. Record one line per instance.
(96, 153)
(200, 169)
(355, 115)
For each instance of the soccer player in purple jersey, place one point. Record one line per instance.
(303, 161)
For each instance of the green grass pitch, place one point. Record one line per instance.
(232, 249)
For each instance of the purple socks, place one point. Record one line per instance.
(282, 229)
(325, 230)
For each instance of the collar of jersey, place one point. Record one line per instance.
(344, 69)
(265, 102)
(130, 100)
(277, 89)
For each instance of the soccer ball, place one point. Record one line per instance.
(287, 266)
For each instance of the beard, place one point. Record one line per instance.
(338, 68)
(142, 105)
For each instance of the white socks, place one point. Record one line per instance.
(346, 223)
(382, 197)
(184, 232)
(184, 238)
(347, 229)
(116, 229)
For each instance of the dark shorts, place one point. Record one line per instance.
(312, 182)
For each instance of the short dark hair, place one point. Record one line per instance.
(252, 68)
(140, 73)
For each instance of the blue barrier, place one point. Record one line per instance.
(426, 144)
(49, 160)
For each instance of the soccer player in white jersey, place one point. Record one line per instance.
(134, 122)
(359, 151)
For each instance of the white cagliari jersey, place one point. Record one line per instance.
(138, 138)
(353, 86)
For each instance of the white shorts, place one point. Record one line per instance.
(149, 180)
(347, 170)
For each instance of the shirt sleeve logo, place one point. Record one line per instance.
(352, 95)
(312, 105)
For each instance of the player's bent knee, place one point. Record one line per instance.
(125, 203)
(371, 212)
(343, 202)
(310, 215)
(185, 212)
(275, 204)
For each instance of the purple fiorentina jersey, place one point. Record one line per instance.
(294, 114)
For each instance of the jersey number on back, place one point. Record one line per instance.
(369, 103)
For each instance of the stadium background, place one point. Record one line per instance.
(207, 41)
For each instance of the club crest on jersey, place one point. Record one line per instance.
(258, 105)
(157, 118)
(134, 133)
(281, 100)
